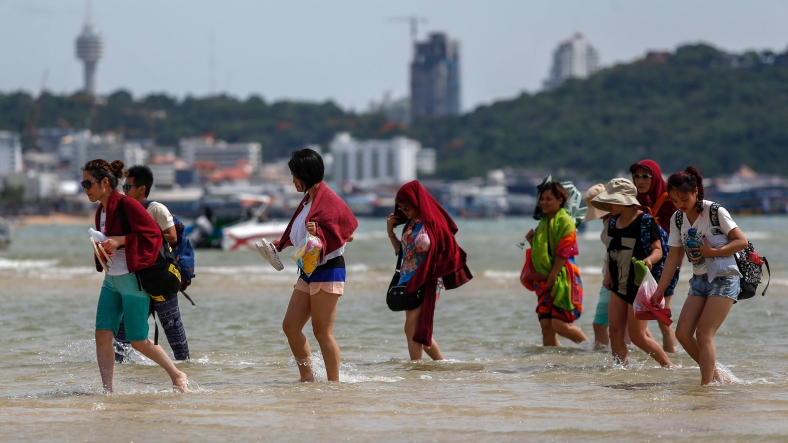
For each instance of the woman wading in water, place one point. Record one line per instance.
(554, 275)
(323, 214)
(121, 295)
(708, 236)
(431, 259)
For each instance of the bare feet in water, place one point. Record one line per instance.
(181, 383)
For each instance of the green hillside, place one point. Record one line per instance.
(696, 106)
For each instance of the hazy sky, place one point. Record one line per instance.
(350, 51)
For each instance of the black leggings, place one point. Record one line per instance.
(170, 318)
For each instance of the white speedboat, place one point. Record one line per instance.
(243, 235)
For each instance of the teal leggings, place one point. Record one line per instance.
(600, 318)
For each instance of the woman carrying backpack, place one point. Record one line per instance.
(121, 295)
(631, 233)
(431, 258)
(653, 197)
(323, 214)
(708, 236)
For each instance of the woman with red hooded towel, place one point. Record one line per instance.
(324, 215)
(431, 259)
(653, 195)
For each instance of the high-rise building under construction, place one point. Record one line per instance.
(435, 77)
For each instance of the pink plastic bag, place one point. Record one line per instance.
(644, 310)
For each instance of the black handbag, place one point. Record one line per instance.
(397, 297)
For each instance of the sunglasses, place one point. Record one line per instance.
(127, 187)
(643, 176)
(403, 208)
(86, 184)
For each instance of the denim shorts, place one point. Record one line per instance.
(727, 286)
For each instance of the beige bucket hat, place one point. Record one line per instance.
(618, 191)
(593, 213)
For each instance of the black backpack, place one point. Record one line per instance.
(748, 261)
(162, 280)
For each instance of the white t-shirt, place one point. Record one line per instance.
(118, 266)
(298, 233)
(161, 214)
(716, 235)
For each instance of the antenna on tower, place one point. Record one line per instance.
(212, 62)
(88, 12)
(414, 21)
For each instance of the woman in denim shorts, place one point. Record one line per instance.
(709, 242)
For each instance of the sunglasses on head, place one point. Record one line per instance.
(86, 184)
(643, 176)
(127, 187)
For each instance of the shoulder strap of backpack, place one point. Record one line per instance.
(146, 203)
(659, 203)
(679, 216)
(124, 219)
(766, 262)
(713, 214)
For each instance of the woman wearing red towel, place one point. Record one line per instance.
(653, 196)
(323, 214)
(431, 259)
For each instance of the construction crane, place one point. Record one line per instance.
(94, 102)
(32, 125)
(150, 115)
(414, 21)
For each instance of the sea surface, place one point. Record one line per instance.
(498, 384)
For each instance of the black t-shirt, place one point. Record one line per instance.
(623, 244)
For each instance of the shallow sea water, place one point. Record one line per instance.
(499, 383)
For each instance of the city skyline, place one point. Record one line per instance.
(351, 52)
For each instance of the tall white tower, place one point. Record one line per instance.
(90, 48)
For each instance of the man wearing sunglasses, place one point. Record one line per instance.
(139, 181)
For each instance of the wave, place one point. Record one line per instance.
(9, 264)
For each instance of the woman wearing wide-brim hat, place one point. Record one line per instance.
(631, 233)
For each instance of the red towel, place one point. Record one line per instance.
(658, 187)
(143, 242)
(445, 259)
(335, 221)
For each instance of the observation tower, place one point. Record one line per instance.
(90, 49)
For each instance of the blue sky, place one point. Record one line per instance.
(349, 51)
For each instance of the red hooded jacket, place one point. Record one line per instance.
(142, 243)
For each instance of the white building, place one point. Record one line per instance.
(223, 154)
(574, 58)
(374, 162)
(10, 153)
(81, 147)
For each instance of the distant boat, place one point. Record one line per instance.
(6, 231)
(242, 235)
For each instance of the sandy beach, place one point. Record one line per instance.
(57, 219)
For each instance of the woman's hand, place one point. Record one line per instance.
(529, 237)
(311, 227)
(707, 250)
(608, 282)
(112, 243)
(648, 263)
(656, 297)
(548, 285)
(276, 242)
(391, 221)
